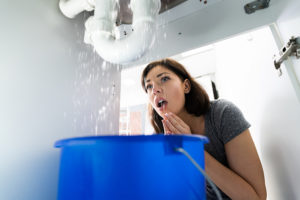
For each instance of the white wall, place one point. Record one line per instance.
(246, 75)
(52, 86)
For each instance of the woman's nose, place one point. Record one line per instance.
(156, 89)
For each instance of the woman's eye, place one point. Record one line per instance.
(164, 79)
(148, 87)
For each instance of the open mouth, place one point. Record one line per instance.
(161, 103)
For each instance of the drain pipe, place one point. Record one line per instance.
(100, 30)
(70, 8)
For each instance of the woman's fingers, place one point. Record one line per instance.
(171, 127)
(178, 120)
(166, 129)
(174, 128)
(176, 125)
(174, 122)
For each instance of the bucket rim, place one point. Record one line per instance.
(128, 138)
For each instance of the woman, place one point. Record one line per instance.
(179, 105)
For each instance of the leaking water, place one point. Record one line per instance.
(96, 85)
(95, 105)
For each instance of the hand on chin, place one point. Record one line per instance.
(174, 125)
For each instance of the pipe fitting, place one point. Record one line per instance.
(93, 25)
(71, 8)
(99, 31)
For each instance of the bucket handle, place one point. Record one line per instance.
(184, 152)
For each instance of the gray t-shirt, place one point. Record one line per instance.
(223, 122)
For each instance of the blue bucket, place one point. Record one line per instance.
(131, 167)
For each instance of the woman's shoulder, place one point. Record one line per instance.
(223, 108)
(228, 119)
(220, 105)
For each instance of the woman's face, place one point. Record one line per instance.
(165, 91)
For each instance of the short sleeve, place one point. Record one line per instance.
(232, 121)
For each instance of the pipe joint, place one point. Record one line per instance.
(93, 25)
(71, 8)
(100, 27)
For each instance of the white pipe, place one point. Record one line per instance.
(70, 8)
(99, 31)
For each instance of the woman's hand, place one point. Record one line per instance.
(174, 125)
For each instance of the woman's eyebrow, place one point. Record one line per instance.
(158, 75)
(161, 74)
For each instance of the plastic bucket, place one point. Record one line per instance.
(131, 167)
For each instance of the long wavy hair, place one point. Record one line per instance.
(196, 101)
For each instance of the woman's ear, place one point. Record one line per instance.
(187, 86)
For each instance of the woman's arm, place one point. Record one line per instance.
(245, 178)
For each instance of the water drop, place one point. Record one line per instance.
(104, 65)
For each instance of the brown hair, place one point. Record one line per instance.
(196, 101)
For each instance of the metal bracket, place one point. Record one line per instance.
(291, 49)
(256, 5)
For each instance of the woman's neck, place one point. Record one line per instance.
(196, 123)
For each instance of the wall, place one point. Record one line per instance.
(246, 75)
(52, 86)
